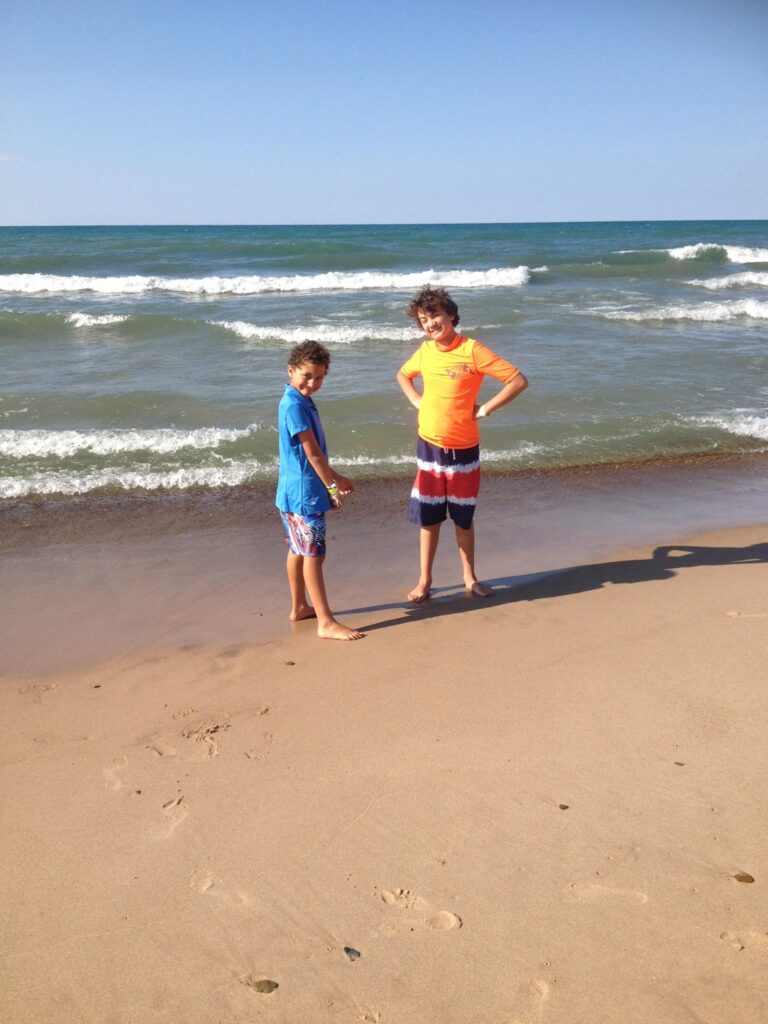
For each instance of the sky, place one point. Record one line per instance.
(353, 111)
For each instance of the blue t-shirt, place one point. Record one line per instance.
(299, 488)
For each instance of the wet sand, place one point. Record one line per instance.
(544, 807)
(89, 579)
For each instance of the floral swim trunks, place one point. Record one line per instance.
(304, 535)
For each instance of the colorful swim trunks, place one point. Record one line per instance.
(447, 483)
(304, 535)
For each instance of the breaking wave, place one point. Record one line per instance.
(92, 320)
(24, 444)
(750, 278)
(254, 284)
(710, 251)
(326, 333)
(707, 312)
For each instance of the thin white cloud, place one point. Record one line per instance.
(7, 158)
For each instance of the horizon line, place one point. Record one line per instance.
(390, 224)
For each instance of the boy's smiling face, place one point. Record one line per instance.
(307, 378)
(437, 325)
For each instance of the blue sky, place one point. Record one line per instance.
(299, 112)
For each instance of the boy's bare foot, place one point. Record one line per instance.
(421, 592)
(478, 589)
(336, 631)
(304, 611)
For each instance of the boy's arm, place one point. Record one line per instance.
(410, 392)
(510, 391)
(319, 462)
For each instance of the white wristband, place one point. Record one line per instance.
(481, 411)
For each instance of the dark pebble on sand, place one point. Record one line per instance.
(742, 876)
(265, 985)
(352, 954)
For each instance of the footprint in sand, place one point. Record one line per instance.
(593, 893)
(745, 615)
(36, 691)
(162, 749)
(750, 938)
(444, 921)
(206, 734)
(531, 999)
(174, 812)
(185, 713)
(261, 749)
(208, 884)
(111, 772)
(405, 900)
(202, 881)
(262, 985)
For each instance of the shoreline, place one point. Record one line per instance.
(230, 503)
(89, 580)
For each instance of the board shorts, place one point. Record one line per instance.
(447, 484)
(304, 535)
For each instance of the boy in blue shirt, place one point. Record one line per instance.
(307, 487)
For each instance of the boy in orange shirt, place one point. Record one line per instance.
(448, 449)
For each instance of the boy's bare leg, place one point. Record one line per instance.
(466, 542)
(327, 627)
(428, 538)
(300, 607)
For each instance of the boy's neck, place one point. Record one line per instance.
(444, 346)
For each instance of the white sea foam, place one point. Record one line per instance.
(746, 279)
(70, 483)
(744, 423)
(254, 284)
(734, 253)
(20, 444)
(227, 473)
(92, 320)
(707, 312)
(326, 333)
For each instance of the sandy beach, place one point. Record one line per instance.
(544, 807)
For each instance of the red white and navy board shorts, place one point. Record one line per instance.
(304, 535)
(447, 484)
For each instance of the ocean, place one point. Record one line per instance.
(152, 359)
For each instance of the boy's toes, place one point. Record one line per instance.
(421, 592)
(479, 589)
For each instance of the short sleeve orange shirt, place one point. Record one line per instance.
(452, 379)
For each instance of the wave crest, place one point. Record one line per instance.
(92, 320)
(62, 444)
(707, 312)
(326, 333)
(744, 280)
(743, 424)
(254, 284)
(709, 251)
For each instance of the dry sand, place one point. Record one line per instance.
(547, 808)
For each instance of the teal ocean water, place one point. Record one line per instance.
(153, 358)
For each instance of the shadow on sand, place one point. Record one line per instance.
(664, 564)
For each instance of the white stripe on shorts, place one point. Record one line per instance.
(427, 499)
(437, 469)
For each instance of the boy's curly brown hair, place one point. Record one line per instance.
(433, 300)
(310, 352)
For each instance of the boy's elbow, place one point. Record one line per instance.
(523, 383)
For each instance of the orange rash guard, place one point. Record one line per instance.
(452, 379)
